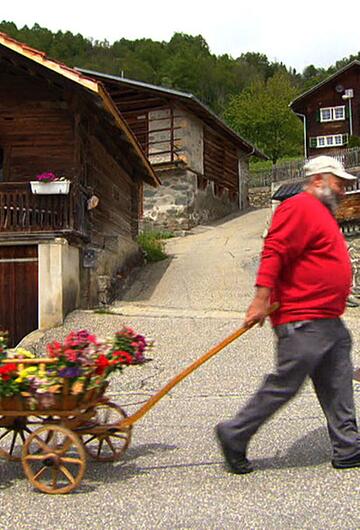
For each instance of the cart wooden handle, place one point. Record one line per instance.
(166, 389)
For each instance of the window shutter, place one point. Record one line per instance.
(346, 112)
(318, 115)
(313, 142)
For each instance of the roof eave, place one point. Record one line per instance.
(185, 96)
(86, 82)
(322, 83)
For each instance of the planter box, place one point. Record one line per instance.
(50, 188)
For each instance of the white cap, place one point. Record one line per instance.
(326, 164)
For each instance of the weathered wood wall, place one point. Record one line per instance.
(328, 96)
(221, 160)
(36, 128)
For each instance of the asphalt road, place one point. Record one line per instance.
(172, 476)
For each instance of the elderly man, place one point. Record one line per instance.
(306, 268)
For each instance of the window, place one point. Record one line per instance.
(333, 140)
(332, 113)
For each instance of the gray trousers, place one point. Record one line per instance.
(316, 348)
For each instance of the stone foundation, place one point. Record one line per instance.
(178, 204)
(260, 197)
(105, 276)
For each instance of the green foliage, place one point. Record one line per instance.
(264, 165)
(354, 141)
(224, 83)
(151, 242)
(261, 113)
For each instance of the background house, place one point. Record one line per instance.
(331, 111)
(57, 252)
(201, 162)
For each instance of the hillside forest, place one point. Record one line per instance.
(250, 92)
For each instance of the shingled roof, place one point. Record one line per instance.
(189, 100)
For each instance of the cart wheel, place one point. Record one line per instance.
(14, 432)
(110, 444)
(54, 459)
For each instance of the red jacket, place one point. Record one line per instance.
(305, 262)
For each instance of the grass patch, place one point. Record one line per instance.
(264, 165)
(152, 243)
(103, 311)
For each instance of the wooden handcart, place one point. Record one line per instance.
(53, 444)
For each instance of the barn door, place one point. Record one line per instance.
(18, 290)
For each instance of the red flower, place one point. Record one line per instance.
(54, 348)
(6, 370)
(71, 355)
(102, 362)
(122, 357)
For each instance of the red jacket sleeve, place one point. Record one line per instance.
(286, 240)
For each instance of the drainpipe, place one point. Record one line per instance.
(304, 122)
(240, 179)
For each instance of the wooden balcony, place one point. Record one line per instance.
(22, 212)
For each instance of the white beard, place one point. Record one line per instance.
(328, 197)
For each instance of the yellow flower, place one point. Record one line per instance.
(21, 352)
(30, 371)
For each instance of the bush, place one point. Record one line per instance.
(354, 141)
(152, 244)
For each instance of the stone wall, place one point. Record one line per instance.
(260, 197)
(105, 272)
(354, 250)
(179, 205)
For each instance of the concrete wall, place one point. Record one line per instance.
(59, 281)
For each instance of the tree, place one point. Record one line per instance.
(261, 114)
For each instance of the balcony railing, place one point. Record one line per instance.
(23, 211)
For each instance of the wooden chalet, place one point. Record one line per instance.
(330, 111)
(61, 251)
(202, 163)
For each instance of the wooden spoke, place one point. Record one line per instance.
(54, 476)
(67, 474)
(90, 439)
(40, 472)
(22, 435)
(41, 443)
(118, 434)
(4, 434)
(63, 455)
(65, 447)
(37, 458)
(19, 429)
(13, 442)
(108, 443)
(71, 460)
(100, 446)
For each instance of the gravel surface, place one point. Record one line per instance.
(172, 476)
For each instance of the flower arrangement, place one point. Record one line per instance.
(76, 368)
(48, 176)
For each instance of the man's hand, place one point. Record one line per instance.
(258, 308)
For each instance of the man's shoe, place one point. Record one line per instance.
(354, 461)
(236, 461)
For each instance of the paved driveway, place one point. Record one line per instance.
(172, 476)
